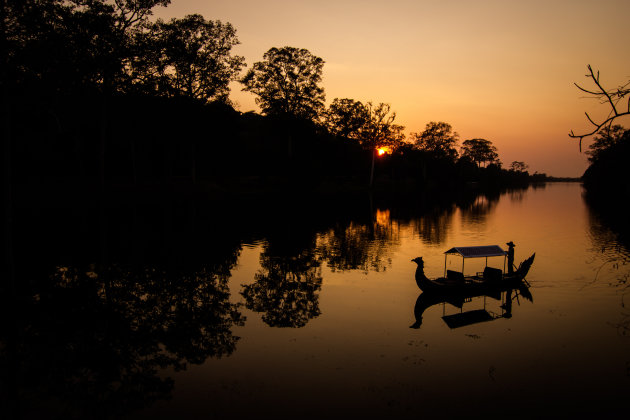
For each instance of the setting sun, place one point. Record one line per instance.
(384, 151)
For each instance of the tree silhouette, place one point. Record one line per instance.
(606, 138)
(286, 83)
(53, 46)
(612, 97)
(518, 166)
(187, 57)
(438, 139)
(605, 177)
(346, 118)
(479, 151)
(113, 26)
(379, 129)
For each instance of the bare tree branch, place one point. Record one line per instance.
(611, 97)
(589, 118)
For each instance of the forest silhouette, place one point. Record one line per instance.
(96, 94)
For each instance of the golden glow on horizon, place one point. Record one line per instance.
(502, 71)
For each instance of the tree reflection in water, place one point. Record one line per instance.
(286, 289)
(358, 246)
(432, 227)
(516, 195)
(91, 344)
(609, 231)
(477, 211)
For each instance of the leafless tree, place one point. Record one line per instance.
(613, 97)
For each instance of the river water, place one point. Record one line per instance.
(291, 310)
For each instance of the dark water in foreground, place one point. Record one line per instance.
(284, 309)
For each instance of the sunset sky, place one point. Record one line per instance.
(499, 70)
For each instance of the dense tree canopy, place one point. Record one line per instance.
(75, 46)
(604, 140)
(188, 57)
(55, 46)
(607, 175)
(480, 151)
(346, 118)
(287, 83)
(371, 125)
(438, 139)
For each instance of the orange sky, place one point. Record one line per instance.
(501, 70)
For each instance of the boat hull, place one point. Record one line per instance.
(473, 285)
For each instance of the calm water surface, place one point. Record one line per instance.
(310, 314)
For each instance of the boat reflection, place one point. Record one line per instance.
(463, 318)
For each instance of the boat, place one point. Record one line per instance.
(489, 281)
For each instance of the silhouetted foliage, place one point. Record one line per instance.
(438, 140)
(286, 83)
(346, 118)
(187, 57)
(100, 96)
(518, 166)
(606, 138)
(480, 151)
(379, 129)
(80, 46)
(606, 177)
(60, 46)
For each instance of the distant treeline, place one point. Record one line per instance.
(177, 141)
(95, 93)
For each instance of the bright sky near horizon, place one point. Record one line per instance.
(496, 69)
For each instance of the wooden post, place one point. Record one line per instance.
(445, 257)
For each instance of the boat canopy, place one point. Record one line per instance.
(478, 251)
(467, 318)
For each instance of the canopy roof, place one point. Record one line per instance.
(467, 318)
(477, 251)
